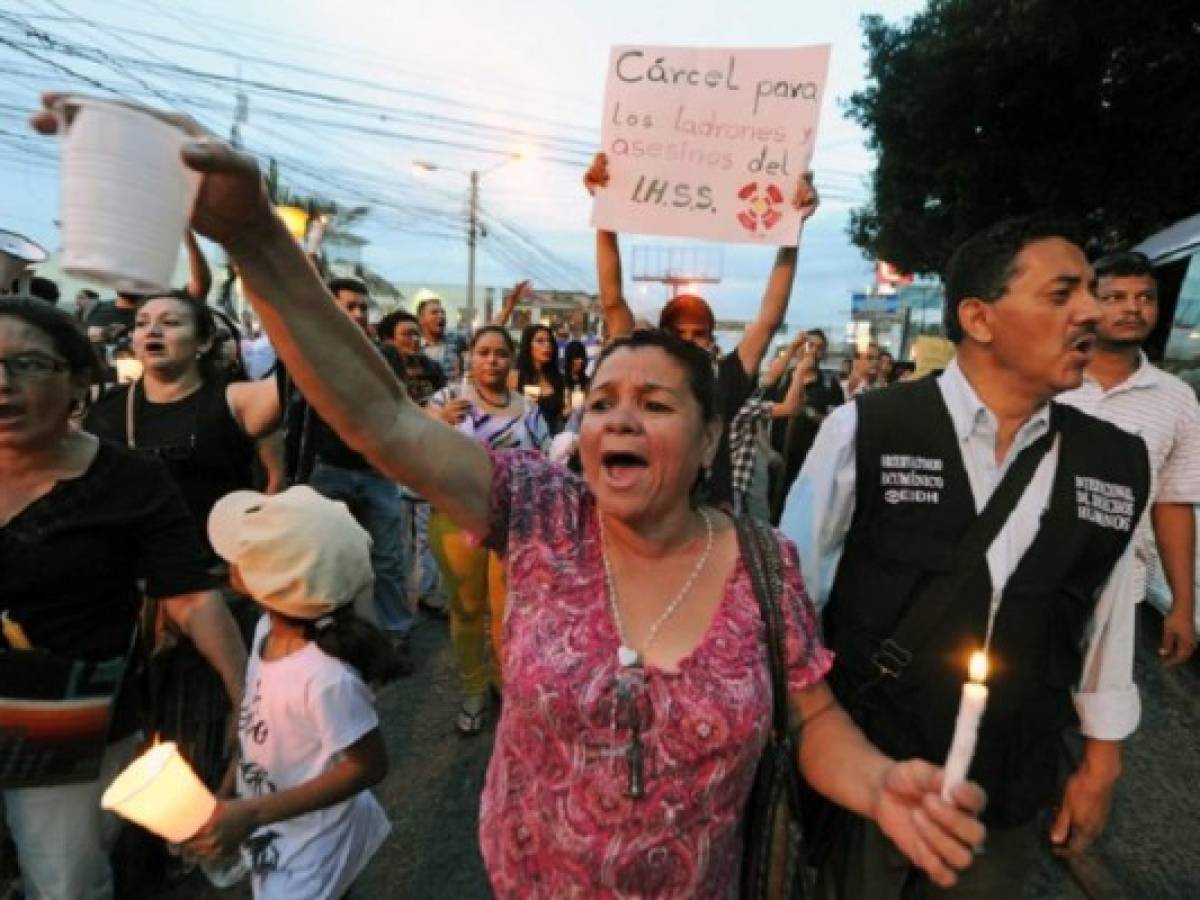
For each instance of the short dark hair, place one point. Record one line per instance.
(357, 285)
(1123, 264)
(424, 304)
(817, 332)
(696, 362)
(89, 293)
(494, 329)
(386, 327)
(868, 347)
(985, 263)
(63, 330)
(44, 289)
(686, 306)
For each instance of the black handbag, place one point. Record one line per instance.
(773, 856)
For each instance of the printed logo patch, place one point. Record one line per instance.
(1104, 503)
(910, 479)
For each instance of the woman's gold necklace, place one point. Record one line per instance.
(626, 655)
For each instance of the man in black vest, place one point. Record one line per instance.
(883, 514)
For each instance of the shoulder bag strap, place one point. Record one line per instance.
(895, 653)
(760, 551)
(130, 414)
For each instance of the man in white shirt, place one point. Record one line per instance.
(884, 497)
(864, 374)
(1122, 387)
(442, 347)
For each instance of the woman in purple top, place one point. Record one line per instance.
(629, 607)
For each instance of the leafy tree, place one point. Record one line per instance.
(981, 109)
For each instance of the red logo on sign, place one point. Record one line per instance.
(760, 213)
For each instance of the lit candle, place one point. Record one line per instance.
(533, 393)
(577, 399)
(160, 792)
(465, 387)
(966, 727)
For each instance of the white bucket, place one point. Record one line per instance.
(126, 194)
(160, 792)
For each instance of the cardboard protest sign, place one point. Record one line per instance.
(709, 143)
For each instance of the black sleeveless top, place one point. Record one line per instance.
(197, 438)
(554, 406)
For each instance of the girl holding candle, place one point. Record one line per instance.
(308, 735)
(555, 806)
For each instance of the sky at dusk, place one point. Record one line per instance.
(346, 95)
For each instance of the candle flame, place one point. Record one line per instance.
(978, 668)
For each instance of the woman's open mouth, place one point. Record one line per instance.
(622, 468)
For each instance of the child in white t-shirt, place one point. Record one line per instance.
(308, 735)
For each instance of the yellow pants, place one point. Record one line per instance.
(474, 578)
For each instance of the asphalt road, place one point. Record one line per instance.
(1151, 850)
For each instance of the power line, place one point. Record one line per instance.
(410, 137)
(371, 108)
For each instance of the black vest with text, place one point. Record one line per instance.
(912, 505)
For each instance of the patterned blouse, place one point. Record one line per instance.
(525, 431)
(555, 819)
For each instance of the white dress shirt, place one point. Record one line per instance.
(1162, 410)
(821, 505)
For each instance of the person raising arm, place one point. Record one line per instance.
(588, 559)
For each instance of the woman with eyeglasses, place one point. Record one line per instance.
(84, 524)
(637, 702)
(207, 431)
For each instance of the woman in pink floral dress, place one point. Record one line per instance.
(637, 700)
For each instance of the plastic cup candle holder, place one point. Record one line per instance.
(160, 792)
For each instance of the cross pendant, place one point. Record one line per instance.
(636, 788)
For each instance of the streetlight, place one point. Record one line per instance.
(421, 168)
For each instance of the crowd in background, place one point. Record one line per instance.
(271, 506)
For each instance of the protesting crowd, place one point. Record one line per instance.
(694, 591)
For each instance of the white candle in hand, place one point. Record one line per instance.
(577, 397)
(966, 728)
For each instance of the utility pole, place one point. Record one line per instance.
(472, 236)
(240, 114)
